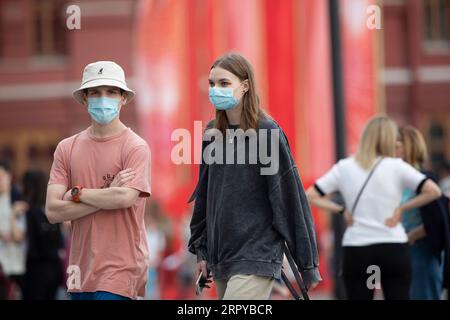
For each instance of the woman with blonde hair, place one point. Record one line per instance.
(371, 184)
(426, 266)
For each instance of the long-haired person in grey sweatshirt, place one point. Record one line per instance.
(375, 243)
(248, 204)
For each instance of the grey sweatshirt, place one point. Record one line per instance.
(242, 219)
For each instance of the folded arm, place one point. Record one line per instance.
(59, 210)
(110, 198)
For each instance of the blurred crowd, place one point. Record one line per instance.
(34, 253)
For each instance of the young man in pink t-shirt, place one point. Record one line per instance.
(99, 180)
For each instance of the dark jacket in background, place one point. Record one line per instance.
(436, 220)
(44, 272)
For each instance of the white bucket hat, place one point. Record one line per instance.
(103, 73)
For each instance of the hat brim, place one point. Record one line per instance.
(78, 94)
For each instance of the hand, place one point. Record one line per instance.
(206, 277)
(123, 177)
(68, 195)
(348, 218)
(19, 208)
(312, 285)
(412, 237)
(395, 219)
(416, 234)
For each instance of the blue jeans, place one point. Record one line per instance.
(151, 288)
(98, 295)
(427, 275)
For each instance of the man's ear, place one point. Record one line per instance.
(124, 98)
(84, 98)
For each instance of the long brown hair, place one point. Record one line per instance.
(35, 187)
(414, 145)
(251, 109)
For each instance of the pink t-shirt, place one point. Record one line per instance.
(108, 246)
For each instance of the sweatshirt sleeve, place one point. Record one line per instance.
(292, 215)
(197, 241)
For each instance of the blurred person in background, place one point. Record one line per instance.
(424, 226)
(242, 218)
(99, 180)
(186, 277)
(44, 270)
(374, 179)
(12, 235)
(444, 177)
(156, 240)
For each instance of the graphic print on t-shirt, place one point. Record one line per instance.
(107, 180)
(116, 234)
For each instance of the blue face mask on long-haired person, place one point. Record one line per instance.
(222, 98)
(103, 110)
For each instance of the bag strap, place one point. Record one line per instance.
(70, 160)
(364, 186)
(297, 275)
(288, 284)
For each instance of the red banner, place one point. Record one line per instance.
(358, 46)
(289, 46)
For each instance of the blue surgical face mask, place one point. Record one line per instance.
(103, 110)
(222, 98)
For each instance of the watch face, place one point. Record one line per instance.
(74, 191)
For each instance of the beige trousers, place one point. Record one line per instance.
(244, 287)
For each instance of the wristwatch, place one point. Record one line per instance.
(76, 193)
